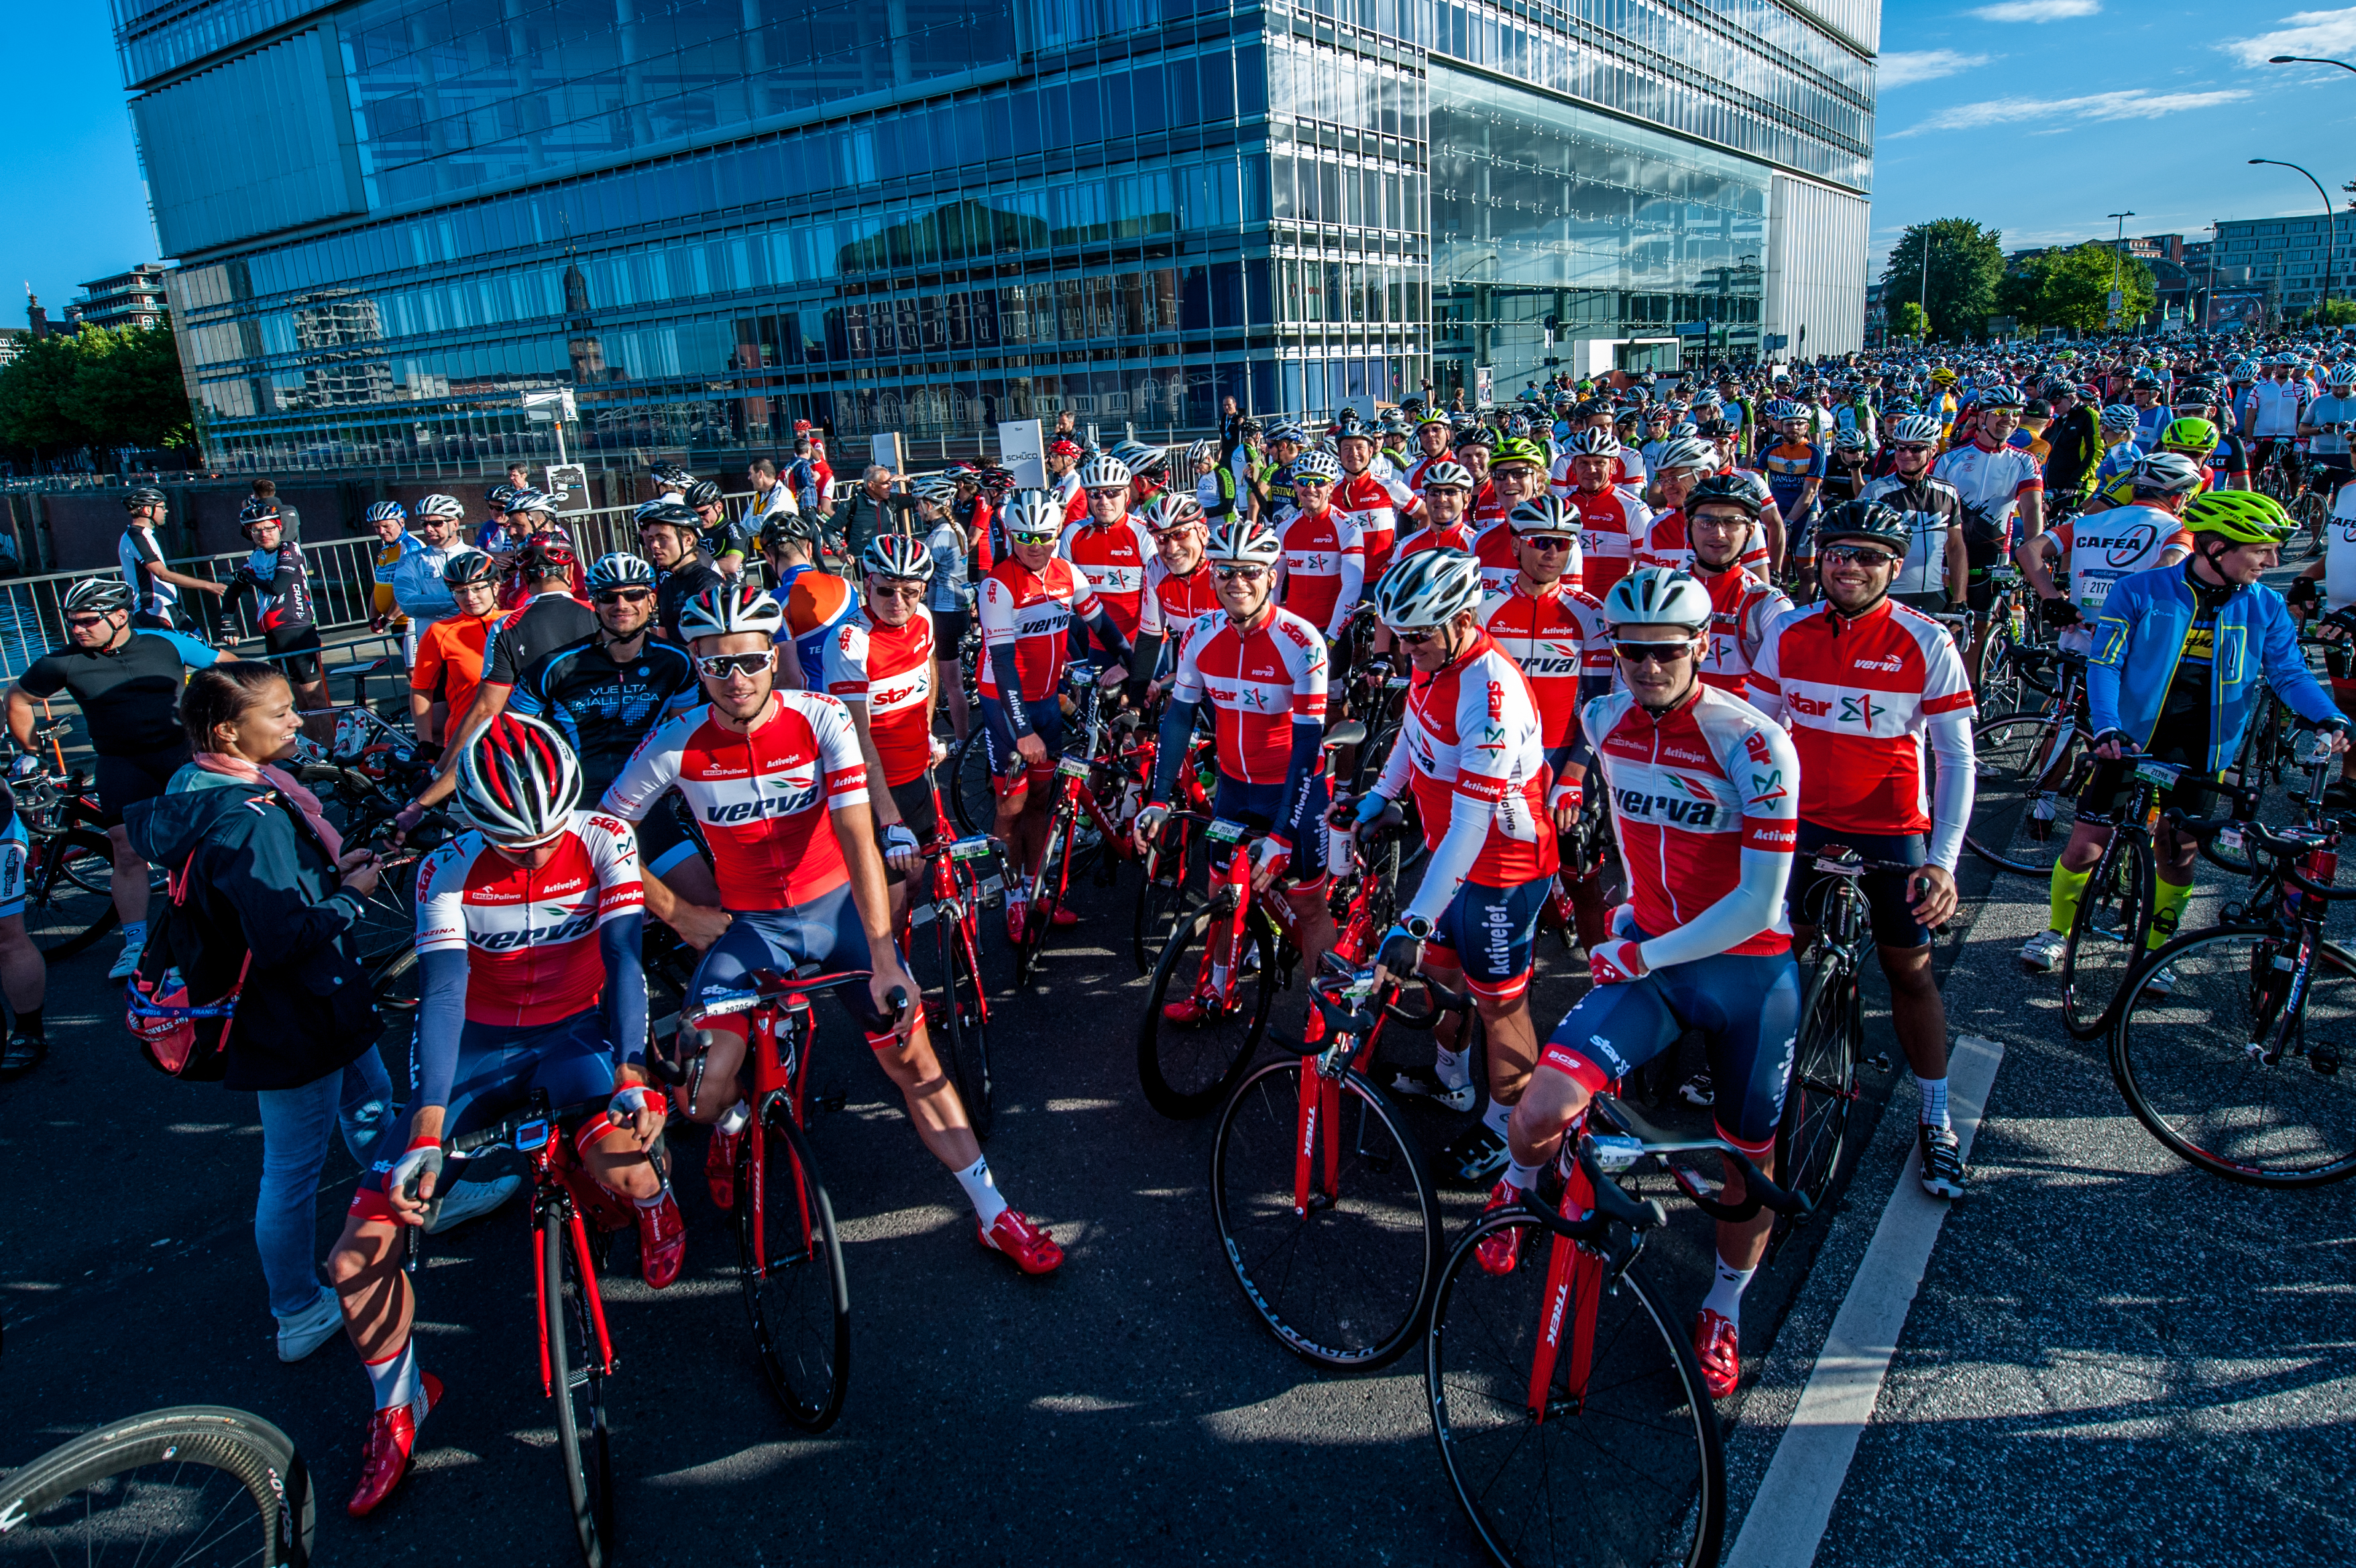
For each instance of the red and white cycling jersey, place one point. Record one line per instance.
(1451, 537)
(1664, 544)
(1741, 609)
(1857, 693)
(1422, 467)
(1611, 521)
(1501, 563)
(1556, 638)
(1692, 790)
(761, 798)
(1472, 729)
(1173, 603)
(1376, 505)
(1259, 683)
(888, 669)
(530, 935)
(1324, 568)
(1113, 559)
(1487, 507)
(1033, 611)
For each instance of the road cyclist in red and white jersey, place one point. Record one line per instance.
(1433, 445)
(1108, 546)
(1705, 803)
(1179, 587)
(880, 665)
(1612, 518)
(1376, 504)
(527, 932)
(1323, 572)
(1028, 604)
(1680, 465)
(775, 781)
(1721, 520)
(1446, 493)
(1517, 473)
(1866, 686)
(1474, 447)
(1263, 672)
(1470, 749)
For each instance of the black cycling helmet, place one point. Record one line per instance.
(1871, 521)
(496, 496)
(669, 514)
(468, 566)
(1723, 489)
(701, 493)
(788, 528)
(143, 495)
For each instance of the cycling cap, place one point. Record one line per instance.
(468, 566)
(143, 495)
(1543, 514)
(1657, 595)
(1104, 472)
(2119, 416)
(100, 593)
(726, 609)
(1596, 443)
(620, 570)
(1316, 466)
(518, 782)
(386, 511)
(2244, 517)
(1870, 521)
(531, 501)
(2167, 474)
(1244, 544)
(2192, 434)
(1430, 587)
(896, 555)
(1723, 489)
(1172, 509)
(1685, 453)
(1034, 511)
(703, 492)
(1451, 476)
(440, 506)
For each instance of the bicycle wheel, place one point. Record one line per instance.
(972, 801)
(963, 1040)
(196, 1484)
(1176, 874)
(2313, 519)
(1344, 1283)
(2107, 935)
(1055, 876)
(1187, 1069)
(2190, 1063)
(790, 1260)
(583, 1444)
(1815, 1129)
(69, 893)
(1625, 1467)
(2026, 798)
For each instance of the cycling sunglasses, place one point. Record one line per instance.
(909, 589)
(1664, 653)
(1022, 538)
(720, 666)
(1549, 542)
(626, 595)
(1856, 556)
(1239, 574)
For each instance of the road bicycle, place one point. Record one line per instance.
(788, 1250)
(196, 1484)
(961, 877)
(69, 863)
(1570, 1411)
(1077, 823)
(2028, 769)
(2238, 1062)
(574, 1217)
(1175, 861)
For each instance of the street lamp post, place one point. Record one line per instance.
(1923, 300)
(2307, 59)
(2331, 232)
(2118, 245)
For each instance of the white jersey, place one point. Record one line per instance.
(2340, 552)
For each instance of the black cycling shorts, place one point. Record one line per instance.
(1893, 921)
(915, 799)
(143, 776)
(300, 645)
(948, 633)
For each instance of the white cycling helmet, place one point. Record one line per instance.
(1244, 544)
(1543, 514)
(519, 781)
(1454, 476)
(1916, 429)
(1316, 466)
(1657, 595)
(897, 555)
(440, 506)
(1430, 587)
(620, 570)
(2119, 416)
(2169, 474)
(1686, 453)
(1171, 509)
(1599, 443)
(727, 608)
(1034, 511)
(1104, 472)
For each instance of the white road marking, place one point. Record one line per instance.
(1794, 1502)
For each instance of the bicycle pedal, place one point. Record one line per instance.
(834, 1101)
(1879, 1062)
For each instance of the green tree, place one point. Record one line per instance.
(2076, 288)
(128, 391)
(1907, 320)
(36, 398)
(1959, 290)
(2017, 291)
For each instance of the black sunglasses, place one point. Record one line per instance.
(1652, 653)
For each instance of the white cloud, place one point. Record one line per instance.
(2134, 103)
(2037, 10)
(1904, 68)
(2311, 33)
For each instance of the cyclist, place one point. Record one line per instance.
(1936, 573)
(1179, 591)
(2120, 453)
(1866, 684)
(2075, 445)
(775, 779)
(2177, 653)
(156, 588)
(418, 584)
(1474, 447)
(1517, 474)
(1432, 433)
(1107, 546)
(1721, 518)
(528, 930)
(726, 542)
(1323, 572)
(814, 600)
(2326, 421)
(1028, 604)
(275, 574)
(1262, 670)
(2095, 549)
(126, 683)
(1794, 463)
(1372, 502)
(2272, 411)
(450, 655)
(1272, 487)
(1706, 810)
(879, 665)
(1612, 518)
(1062, 461)
(389, 519)
(1996, 482)
(1446, 497)
(2192, 438)
(671, 539)
(495, 537)
(1685, 463)
(1472, 747)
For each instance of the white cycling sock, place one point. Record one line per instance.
(1934, 1101)
(1497, 1117)
(396, 1379)
(1523, 1177)
(1725, 1297)
(1449, 1067)
(734, 1120)
(981, 1192)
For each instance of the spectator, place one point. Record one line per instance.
(811, 479)
(873, 509)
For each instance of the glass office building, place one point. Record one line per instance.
(710, 219)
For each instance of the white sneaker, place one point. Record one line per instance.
(472, 1201)
(313, 1327)
(2162, 983)
(2041, 952)
(126, 962)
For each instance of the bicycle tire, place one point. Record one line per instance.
(1383, 1218)
(2027, 775)
(2312, 517)
(68, 905)
(973, 798)
(796, 1294)
(965, 1035)
(2184, 1061)
(1164, 898)
(2107, 935)
(45, 1504)
(1187, 1072)
(1999, 685)
(584, 1444)
(1646, 1433)
(1054, 881)
(1813, 1132)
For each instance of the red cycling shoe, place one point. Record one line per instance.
(1720, 1356)
(1191, 1012)
(662, 1240)
(384, 1453)
(1033, 1250)
(1500, 1251)
(1059, 916)
(720, 1167)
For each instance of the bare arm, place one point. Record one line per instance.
(164, 573)
(421, 715)
(855, 829)
(20, 718)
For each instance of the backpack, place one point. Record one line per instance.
(180, 1036)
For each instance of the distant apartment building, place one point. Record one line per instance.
(135, 298)
(2269, 270)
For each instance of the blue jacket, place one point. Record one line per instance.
(2143, 622)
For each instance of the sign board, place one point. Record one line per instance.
(891, 451)
(1691, 328)
(1484, 386)
(569, 483)
(1363, 406)
(545, 406)
(2118, 302)
(1772, 341)
(1022, 451)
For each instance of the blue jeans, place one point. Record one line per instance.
(295, 1125)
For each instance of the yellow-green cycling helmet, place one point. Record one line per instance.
(1518, 449)
(2243, 517)
(2190, 433)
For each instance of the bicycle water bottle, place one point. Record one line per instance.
(1337, 849)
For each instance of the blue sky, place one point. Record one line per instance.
(2037, 117)
(77, 208)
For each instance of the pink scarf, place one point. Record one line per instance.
(278, 779)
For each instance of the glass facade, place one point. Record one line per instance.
(711, 217)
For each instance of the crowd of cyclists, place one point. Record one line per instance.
(1744, 615)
